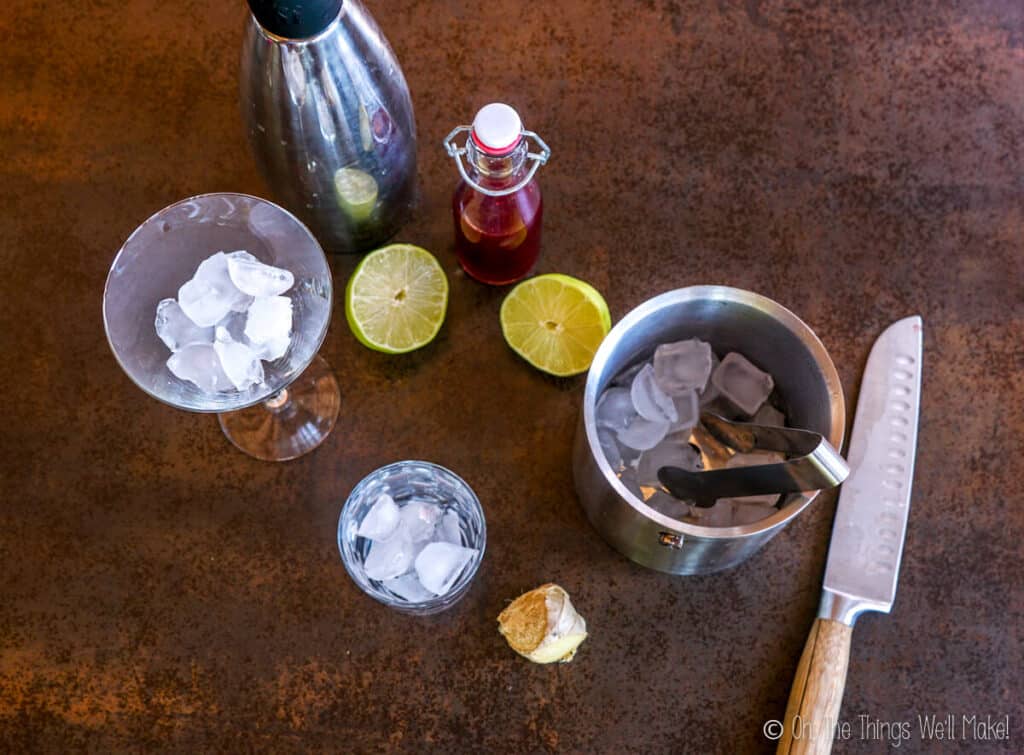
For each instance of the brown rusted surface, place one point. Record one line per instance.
(162, 591)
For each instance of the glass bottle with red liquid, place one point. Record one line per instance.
(497, 206)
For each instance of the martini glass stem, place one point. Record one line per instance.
(278, 402)
(293, 421)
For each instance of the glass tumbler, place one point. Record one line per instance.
(405, 481)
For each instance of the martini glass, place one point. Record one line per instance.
(295, 407)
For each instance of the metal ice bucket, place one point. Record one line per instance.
(729, 319)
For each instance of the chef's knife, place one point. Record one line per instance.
(867, 535)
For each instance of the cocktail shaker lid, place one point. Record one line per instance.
(295, 19)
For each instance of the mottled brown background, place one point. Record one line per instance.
(858, 162)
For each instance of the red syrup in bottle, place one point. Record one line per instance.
(497, 207)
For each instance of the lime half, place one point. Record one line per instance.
(555, 322)
(396, 299)
(357, 192)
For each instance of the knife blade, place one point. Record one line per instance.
(871, 516)
(867, 535)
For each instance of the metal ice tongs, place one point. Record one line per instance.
(812, 464)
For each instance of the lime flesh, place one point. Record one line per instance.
(357, 192)
(396, 299)
(555, 322)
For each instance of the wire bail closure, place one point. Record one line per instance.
(457, 153)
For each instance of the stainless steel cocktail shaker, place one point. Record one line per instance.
(329, 119)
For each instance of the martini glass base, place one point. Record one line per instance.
(291, 423)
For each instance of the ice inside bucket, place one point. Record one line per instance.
(807, 389)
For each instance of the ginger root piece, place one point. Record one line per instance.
(543, 626)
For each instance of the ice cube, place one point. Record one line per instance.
(272, 350)
(419, 519)
(614, 409)
(214, 269)
(255, 278)
(202, 302)
(665, 504)
(610, 448)
(650, 402)
(241, 364)
(687, 410)
(200, 365)
(234, 324)
(242, 305)
(175, 329)
(269, 320)
(671, 452)
(710, 391)
(742, 383)
(389, 558)
(765, 499)
(408, 588)
(625, 378)
(682, 366)
(448, 529)
(630, 456)
(748, 511)
(770, 416)
(628, 478)
(439, 565)
(725, 409)
(642, 434)
(381, 521)
(719, 515)
(210, 294)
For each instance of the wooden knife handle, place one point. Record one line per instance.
(817, 693)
